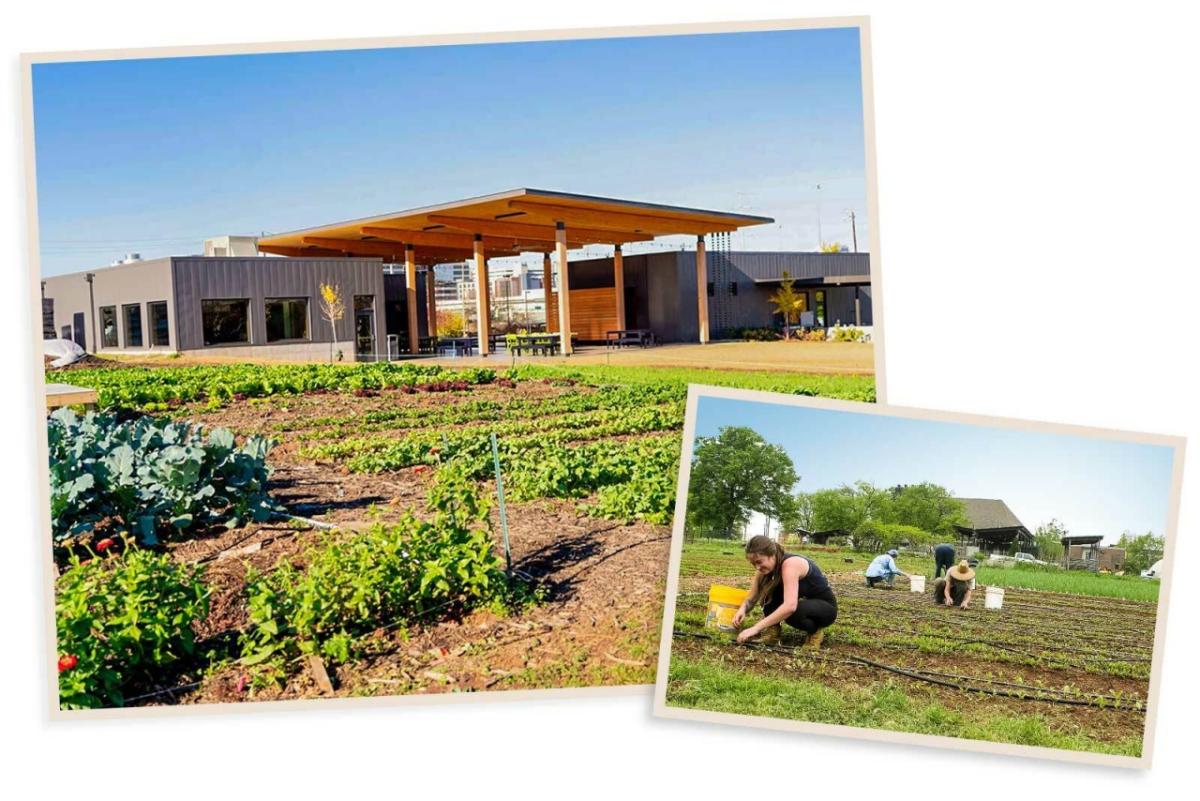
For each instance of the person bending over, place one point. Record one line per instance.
(791, 589)
(943, 557)
(883, 569)
(955, 589)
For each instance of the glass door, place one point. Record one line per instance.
(364, 327)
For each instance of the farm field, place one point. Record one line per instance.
(1056, 669)
(397, 460)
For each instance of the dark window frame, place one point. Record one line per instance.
(307, 318)
(245, 303)
(116, 328)
(128, 330)
(151, 306)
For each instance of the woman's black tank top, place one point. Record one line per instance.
(814, 585)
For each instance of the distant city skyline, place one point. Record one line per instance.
(155, 155)
(1091, 485)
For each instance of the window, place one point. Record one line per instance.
(132, 313)
(225, 321)
(733, 287)
(66, 332)
(160, 330)
(820, 307)
(108, 327)
(712, 289)
(287, 318)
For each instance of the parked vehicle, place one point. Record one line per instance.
(1155, 571)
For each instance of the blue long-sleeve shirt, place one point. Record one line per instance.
(883, 566)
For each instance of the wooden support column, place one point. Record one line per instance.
(702, 289)
(410, 287)
(431, 301)
(857, 308)
(564, 288)
(482, 299)
(619, 284)
(547, 283)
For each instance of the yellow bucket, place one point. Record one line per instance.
(723, 603)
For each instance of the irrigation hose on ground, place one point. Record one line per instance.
(1029, 692)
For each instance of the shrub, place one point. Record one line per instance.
(756, 334)
(119, 617)
(147, 475)
(815, 335)
(847, 334)
(388, 574)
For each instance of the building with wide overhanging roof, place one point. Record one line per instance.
(510, 223)
(992, 525)
(248, 297)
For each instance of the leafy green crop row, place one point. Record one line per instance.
(386, 575)
(160, 388)
(476, 411)
(118, 617)
(148, 475)
(375, 454)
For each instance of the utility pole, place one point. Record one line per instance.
(854, 230)
(820, 238)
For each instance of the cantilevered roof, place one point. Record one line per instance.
(509, 223)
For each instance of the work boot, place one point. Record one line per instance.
(814, 640)
(769, 636)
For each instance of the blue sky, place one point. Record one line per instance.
(1094, 486)
(154, 155)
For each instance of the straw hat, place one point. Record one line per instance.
(962, 571)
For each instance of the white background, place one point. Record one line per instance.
(1038, 211)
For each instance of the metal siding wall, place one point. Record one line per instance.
(200, 278)
(772, 264)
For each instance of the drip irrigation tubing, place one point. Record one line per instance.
(1029, 693)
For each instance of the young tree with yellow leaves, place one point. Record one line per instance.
(333, 308)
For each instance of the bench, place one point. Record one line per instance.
(629, 337)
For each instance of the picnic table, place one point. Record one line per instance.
(620, 337)
(456, 346)
(537, 344)
(59, 395)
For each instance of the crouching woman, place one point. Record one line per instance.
(791, 589)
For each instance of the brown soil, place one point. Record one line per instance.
(88, 362)
(603, 580)
(900, 610)
(598, 624)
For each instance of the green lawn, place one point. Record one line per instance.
(846, 387)
(886, 705)
(711, 557)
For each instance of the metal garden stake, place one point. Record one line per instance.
(503, 510)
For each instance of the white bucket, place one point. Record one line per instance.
(993, 598)
(916, 584)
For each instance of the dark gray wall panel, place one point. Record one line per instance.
(200, 278)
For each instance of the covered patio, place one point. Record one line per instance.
(508, 224)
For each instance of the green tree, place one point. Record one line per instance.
(733, 474)
(803, 512)
(1047, 539)
(788, 302)
(848, 507)
(1141, 550)
(928, 507)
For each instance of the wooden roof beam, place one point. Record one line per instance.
(396, 250)
(622, 221)
(528, 232)
(434, 238)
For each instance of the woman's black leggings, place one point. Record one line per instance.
(811, 613)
